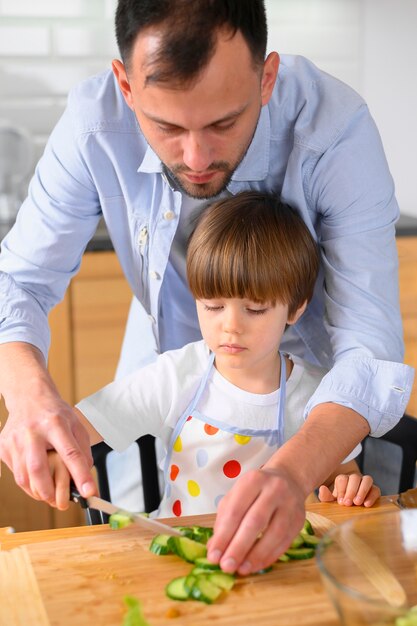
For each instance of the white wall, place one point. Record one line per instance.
(46, 46)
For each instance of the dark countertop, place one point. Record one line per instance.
(406, 227)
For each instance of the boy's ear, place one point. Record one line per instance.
(296, 316)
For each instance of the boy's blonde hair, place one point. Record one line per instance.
(252, 246)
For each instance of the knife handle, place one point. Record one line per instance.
(76, 497)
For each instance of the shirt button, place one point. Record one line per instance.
(169, 215)
(154, 274)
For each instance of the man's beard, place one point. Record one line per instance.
(206, 191)
(202, 191)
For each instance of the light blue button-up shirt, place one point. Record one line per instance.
(315, 145)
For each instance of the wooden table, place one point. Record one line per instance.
(84, 572)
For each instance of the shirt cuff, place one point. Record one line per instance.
(377, 390)
(22, 318)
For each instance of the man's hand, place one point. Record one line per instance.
(39, 420)
(256, 521)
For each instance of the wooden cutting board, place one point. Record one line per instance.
(83, 579)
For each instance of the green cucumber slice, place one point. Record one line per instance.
(187, 549)
(222, 580)
(159, 545)
(307, 528)
(176, 589)
(311, 541)
(205, 564)
(120, 519)
(205, 591)
(300, 553)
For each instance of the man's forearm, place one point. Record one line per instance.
(329, 434)
(22, 366)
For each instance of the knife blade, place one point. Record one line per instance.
(93, 502)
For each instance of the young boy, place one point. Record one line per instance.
(223, 405)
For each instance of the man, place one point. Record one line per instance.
(195, 111)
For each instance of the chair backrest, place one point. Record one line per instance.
(149, 468)
(404, 435)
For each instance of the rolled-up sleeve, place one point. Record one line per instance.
(377, 390)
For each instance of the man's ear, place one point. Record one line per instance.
(119, 71)
(296, 316)
(269, 76)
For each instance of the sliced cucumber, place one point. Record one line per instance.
(222, 580)
(284, 558)
(159, 545)
(310, 541)
(189, 582)
(205, 591)
(197, 571)
(202, 533)
(120, 519)
(300, 553)
(176, 589)
(205, 564)
(307, 528)
(186, 530)
(187, 549)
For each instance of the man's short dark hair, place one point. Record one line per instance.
(189, 30)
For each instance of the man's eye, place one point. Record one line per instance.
(224, 125)
(169, 130)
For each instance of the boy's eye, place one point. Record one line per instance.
(212, 308)
(257, 311)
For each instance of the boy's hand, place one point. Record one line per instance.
(351, 489)
(61, 480)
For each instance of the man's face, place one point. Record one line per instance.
(201, 132)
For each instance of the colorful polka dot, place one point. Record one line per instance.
(176, 508)
(190, 417)
(178, 444)
(210, 430)
(174, 471)
(231, 469)
(242, 439)
(202, 457)
(193, 488)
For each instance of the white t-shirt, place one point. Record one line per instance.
(153, 398)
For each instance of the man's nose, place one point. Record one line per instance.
(196, 152)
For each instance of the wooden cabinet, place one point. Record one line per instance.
(407, 253)
(87, 330)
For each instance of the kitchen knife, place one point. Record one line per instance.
(107, 507)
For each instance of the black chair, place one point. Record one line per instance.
(404, 435)
(149, 467)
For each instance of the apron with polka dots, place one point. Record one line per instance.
(205, 456)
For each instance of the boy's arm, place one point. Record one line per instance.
(94, 436)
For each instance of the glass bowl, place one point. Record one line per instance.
(369, 568)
